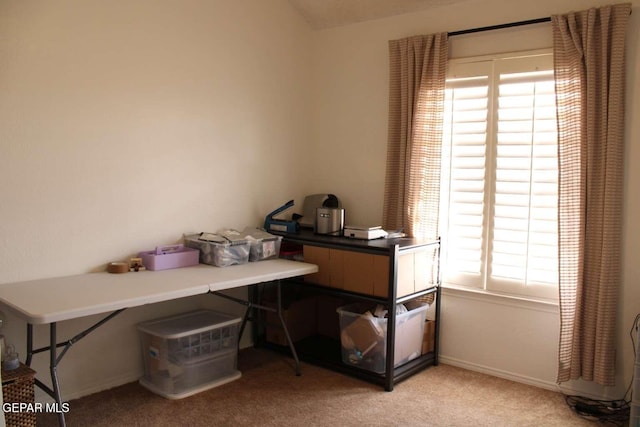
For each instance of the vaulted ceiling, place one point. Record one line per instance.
(332, 13)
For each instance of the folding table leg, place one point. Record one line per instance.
(278, 310)
(53, 366)
(286, 330)
(53, 391)
(54, 358)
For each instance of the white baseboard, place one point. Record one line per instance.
(125, 378)
(523, 379)
(129, 377)
(41, 396)
(564, 388)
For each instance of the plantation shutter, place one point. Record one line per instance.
(525, 234)
(500, 146)
(464, 172)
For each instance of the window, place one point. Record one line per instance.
(500, 175)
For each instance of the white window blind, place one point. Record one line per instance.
(499, 201)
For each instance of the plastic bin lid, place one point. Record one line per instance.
(188, 323)
(233, 236)
(257, 234)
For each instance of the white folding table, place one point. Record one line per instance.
(48, 301)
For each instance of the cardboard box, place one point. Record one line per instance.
(358, 272)
(328, 320)
(363, 336)
(429, 338)
(300, 318)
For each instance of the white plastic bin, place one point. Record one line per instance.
(364, 337)
(189, 353)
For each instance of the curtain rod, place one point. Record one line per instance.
(499, 27)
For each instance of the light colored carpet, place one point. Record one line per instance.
(269, 394)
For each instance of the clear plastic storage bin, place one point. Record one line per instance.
(364, 336)
(221, 253)
(262, 245)
(189, 353)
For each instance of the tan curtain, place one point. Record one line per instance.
(590, 77)
(416, 105)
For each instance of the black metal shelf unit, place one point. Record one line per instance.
(325, 351)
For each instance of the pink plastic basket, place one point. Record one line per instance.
(170, 256)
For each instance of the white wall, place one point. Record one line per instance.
(124, 124)
(508, 338)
